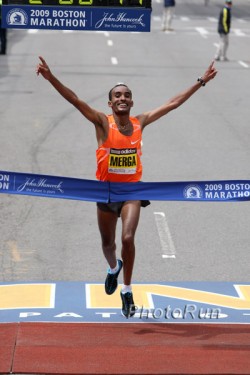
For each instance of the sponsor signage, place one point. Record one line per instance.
(77, 15)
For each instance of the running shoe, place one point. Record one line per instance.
(128, 306)
(111, 280)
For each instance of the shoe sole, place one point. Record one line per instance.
(127, 317)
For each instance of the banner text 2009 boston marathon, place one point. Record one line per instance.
(227, 190)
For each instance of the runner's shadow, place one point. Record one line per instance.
(230, 336)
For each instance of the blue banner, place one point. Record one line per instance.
(229, 190)
(98, 191)
(53, 187)
(75, 18)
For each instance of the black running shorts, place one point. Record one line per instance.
(116, 207)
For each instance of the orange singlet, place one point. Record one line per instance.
(119, 157)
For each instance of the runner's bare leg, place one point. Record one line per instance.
(130, 215)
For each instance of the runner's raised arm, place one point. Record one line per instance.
(91, 114)
(151, 116)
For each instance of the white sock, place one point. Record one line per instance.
(126, 289)
(114, 270)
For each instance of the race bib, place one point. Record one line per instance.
(123, 161)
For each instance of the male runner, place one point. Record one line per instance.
(118, 160)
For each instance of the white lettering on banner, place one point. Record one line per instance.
(4, 185)
(227, 187)
(227, 190)
(41, 183)
(57, 22)
(237, 186)
(58, 18)
(121, 17)
(68, 13)
(227, 195)
(57, 13)
(4, 181)
(4, 177)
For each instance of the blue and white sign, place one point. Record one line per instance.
(101, 191)
(76, 18)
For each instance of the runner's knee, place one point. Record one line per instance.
(128, 239)
(108, 242)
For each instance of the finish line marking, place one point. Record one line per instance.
(179, 302)
(166, 240)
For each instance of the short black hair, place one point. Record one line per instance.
(118, 84)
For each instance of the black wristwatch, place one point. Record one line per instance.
(202, 82)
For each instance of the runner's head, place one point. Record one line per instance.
(118, 85)
(120, 99)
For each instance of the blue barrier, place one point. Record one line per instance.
(98, 191)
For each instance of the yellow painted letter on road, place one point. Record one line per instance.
(18, 296)
(96, 297)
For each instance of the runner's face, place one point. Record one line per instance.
(121, 100)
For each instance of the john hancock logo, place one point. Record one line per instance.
(40, 185)
(116, 20)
